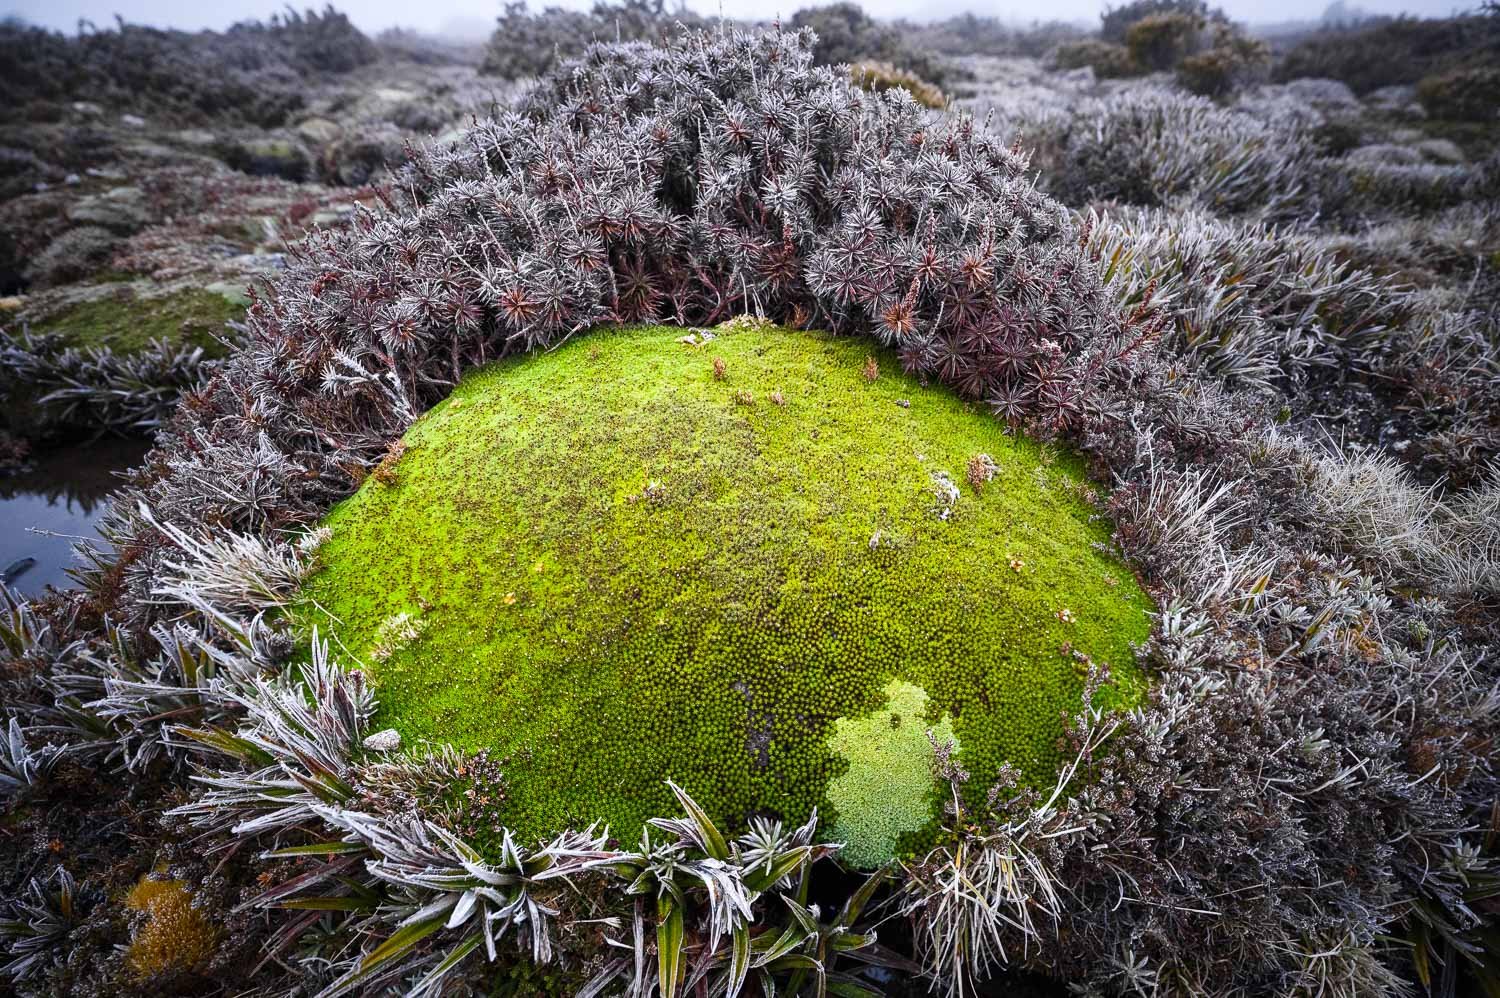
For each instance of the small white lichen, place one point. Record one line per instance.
(946, 493)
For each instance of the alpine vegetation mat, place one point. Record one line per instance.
(716, 530)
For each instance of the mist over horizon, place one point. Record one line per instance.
(475, 18)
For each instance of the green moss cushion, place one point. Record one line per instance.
(637, 558)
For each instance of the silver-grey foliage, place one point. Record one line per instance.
(34, 926)
(98, 386)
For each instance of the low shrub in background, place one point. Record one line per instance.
(1400, 51)
(846, 34)
(1116, 22)
(1210, 56)
(250, 73)
(1106, 59)
(1471, 94)
(1158, 42)
(1231, 61)
(882, 76)
(526, 44)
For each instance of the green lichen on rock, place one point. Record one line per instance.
(887, 791)
(645, 556)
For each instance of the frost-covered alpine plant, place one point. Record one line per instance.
(1302, 804)
(1258, 157)
(97, 386)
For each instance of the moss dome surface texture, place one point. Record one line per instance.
(728, 563)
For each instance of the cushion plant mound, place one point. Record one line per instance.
(760, 566)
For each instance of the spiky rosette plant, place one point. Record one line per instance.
(691, 183)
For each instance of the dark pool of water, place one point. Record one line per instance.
(52, 505)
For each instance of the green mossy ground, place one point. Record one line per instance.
(616, 568)
(128, 322)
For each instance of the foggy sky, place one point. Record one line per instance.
(476, 16)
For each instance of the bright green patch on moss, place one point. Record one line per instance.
(129, 322)
(618, 567)
(887, 791)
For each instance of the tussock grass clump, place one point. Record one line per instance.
(1256, 306)
(1152, 147)
(621, 569)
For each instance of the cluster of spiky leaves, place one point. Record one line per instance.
(1151, 147)
(1303, 804)
(34, 926)
(1256, 307)
(57, 384)
(1155, 147)
(1287, 314)
(687, 909)
(691, 183)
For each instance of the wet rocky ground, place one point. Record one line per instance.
(132, 236)
(142, 239)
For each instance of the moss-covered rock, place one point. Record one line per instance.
(127, 321)
(650, 555)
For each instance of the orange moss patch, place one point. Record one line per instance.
(176, 937)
